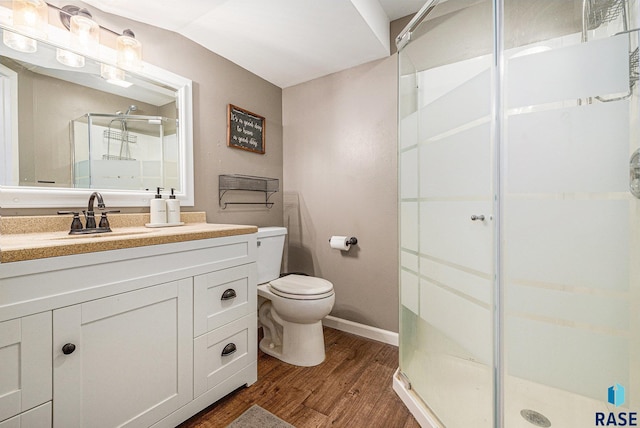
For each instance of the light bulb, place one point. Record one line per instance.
(18, 42)
(85, 33)
(113, 75)
(129, 51)
(69, 58)
(30, 16)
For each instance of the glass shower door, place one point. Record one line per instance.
(532, 320)
(571, 248)
(447, 222)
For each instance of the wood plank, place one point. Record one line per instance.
(305, 417)
(358, 403)
(358, 354)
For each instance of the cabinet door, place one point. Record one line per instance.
(25, 363)
(133, 358)
(223, 296)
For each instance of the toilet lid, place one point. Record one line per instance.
(301, 285)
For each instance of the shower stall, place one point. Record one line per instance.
(519, 178)
(124, 151)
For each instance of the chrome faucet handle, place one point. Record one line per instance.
(76, 224)
(104, 222)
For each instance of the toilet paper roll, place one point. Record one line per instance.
(339, 243)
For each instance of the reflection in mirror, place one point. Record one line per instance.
(74, 128)
(124, 151)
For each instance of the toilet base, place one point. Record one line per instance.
(302, 344)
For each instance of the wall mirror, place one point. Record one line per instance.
(68, 131)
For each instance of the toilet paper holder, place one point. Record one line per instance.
(351, 241)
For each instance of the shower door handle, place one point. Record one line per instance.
(477, 217)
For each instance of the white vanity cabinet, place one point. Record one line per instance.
(127, 337)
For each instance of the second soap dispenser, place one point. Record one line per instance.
(173, 209)
(158, 209)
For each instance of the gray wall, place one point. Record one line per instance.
(217, 83)
(340, 178)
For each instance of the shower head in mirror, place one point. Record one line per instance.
(131, 108)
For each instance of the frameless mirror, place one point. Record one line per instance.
(69, 129)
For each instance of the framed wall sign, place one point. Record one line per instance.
(245, 130)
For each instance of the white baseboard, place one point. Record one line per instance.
(414, 405)
(384, 336)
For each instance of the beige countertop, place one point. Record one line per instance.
(36, 237)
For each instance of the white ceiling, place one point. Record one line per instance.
(285, 42)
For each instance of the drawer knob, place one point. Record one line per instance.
(68, 348)
(229, 349)
(229, 294)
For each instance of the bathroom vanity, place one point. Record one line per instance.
(142, 328)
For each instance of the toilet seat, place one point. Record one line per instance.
(301, 287)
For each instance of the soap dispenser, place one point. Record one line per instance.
(173, 209)
(158, 209)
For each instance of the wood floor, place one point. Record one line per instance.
(351, 388)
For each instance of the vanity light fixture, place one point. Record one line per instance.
(29, 17)
(85, 39)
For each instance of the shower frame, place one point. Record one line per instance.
(123, 119)
(402, 383)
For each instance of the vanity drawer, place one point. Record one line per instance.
(223, 296)
(224, 352)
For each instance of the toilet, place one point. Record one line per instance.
(291, 308)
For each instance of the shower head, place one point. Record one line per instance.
(131, 108)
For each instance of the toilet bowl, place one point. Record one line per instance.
(292, 307)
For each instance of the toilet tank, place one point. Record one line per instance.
(270, 248)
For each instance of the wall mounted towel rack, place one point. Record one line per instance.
(227, 182)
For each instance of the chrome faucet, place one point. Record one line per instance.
(89, 215)
(90, 218)
(91, 199)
